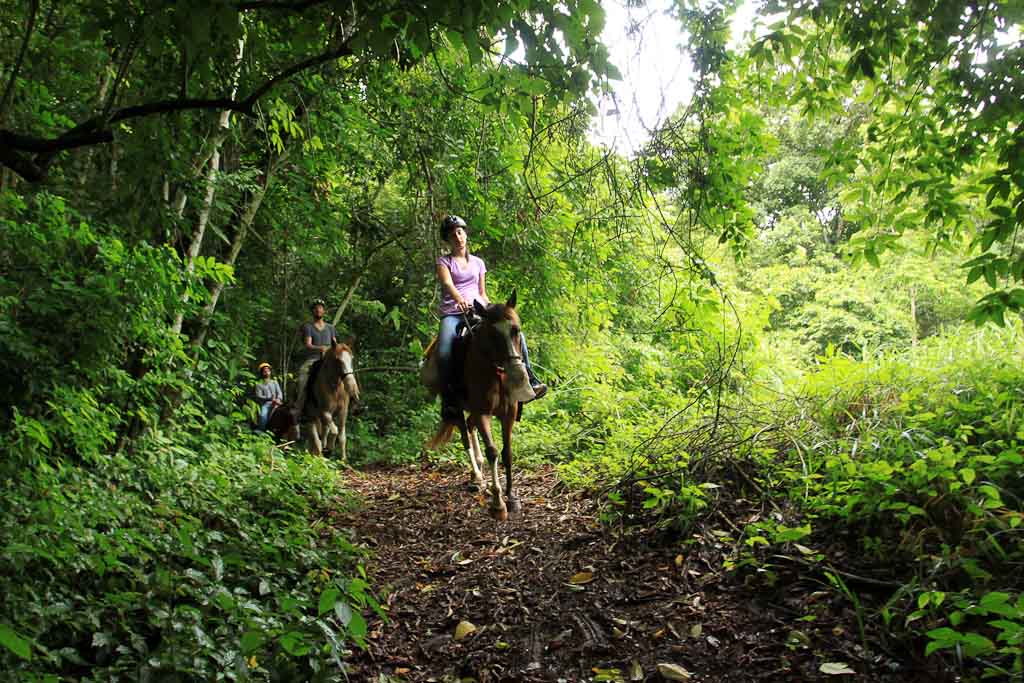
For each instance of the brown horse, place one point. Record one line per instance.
(282, 425)
(330, 393)
(495, 381)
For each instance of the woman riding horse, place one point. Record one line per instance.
(492, 375)
(462, 278)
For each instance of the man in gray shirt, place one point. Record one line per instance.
(317, 336)
(268, 395)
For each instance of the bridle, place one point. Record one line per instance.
(472, 321)
(344, 372)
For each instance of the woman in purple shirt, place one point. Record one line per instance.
(462, 278)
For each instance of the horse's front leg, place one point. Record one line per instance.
(314, 436)
(328, 420)
(472, 447)
(329, 430)
(342, 419)
(508, 421)
(498, 509)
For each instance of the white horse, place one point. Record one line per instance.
(330, 393)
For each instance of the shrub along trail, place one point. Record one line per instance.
(554, 594)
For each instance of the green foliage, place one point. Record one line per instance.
(911, 462)
(849, 158)
(940, 148)
(198, 560)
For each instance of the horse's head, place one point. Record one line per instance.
(342, 354)
(500, 340)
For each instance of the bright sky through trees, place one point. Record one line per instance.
(645, 44)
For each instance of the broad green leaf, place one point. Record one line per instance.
(327, 600)
(15, 643)
(251, 641)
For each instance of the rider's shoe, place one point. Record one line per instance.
(539, 390)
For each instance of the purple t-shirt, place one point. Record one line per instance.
(466, 281)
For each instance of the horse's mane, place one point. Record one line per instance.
(329, 363)
(495, 313)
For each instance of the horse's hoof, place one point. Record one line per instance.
(514, 506)
(499, 514)
(474, 486)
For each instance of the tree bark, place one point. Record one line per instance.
(348, 297)
(196, 242)
(248, 216)
(211, 188)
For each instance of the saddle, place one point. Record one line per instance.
(430, 373)
(314, 370)
(311, 401)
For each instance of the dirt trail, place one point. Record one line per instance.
(554, 596)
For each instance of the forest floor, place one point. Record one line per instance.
(555, 595)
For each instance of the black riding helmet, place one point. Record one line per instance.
(449, 224)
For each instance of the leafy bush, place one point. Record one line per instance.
(912, 461)
(216, 563)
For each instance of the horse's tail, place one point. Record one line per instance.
(443, 436)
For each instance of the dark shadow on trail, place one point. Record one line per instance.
(555, 595)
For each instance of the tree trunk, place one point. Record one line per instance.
(211, 187)
(196, 243)
(348, 297)
(248, 216)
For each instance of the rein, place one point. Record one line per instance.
(498, 366)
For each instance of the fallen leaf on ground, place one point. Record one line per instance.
(673, 672)
(463, 629)
(582, 577)
(835, 668)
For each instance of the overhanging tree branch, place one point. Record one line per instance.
(342, 51)
(96, 130)
(24, 167)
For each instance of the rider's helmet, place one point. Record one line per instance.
(259, 368)
(317, 302)
(449, 224)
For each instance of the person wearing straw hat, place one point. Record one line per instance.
(268, 395)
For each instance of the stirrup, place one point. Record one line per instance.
(450, 412)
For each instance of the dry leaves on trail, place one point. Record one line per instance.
(552, 595)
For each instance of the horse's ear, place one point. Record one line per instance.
(350, 342)
(511, 303)
(479, 308)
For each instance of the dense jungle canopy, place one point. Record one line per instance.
(783, 337)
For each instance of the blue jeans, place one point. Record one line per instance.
(446, 339)
(264, 418)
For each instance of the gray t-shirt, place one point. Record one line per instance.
(320, 338)
(269, 390)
